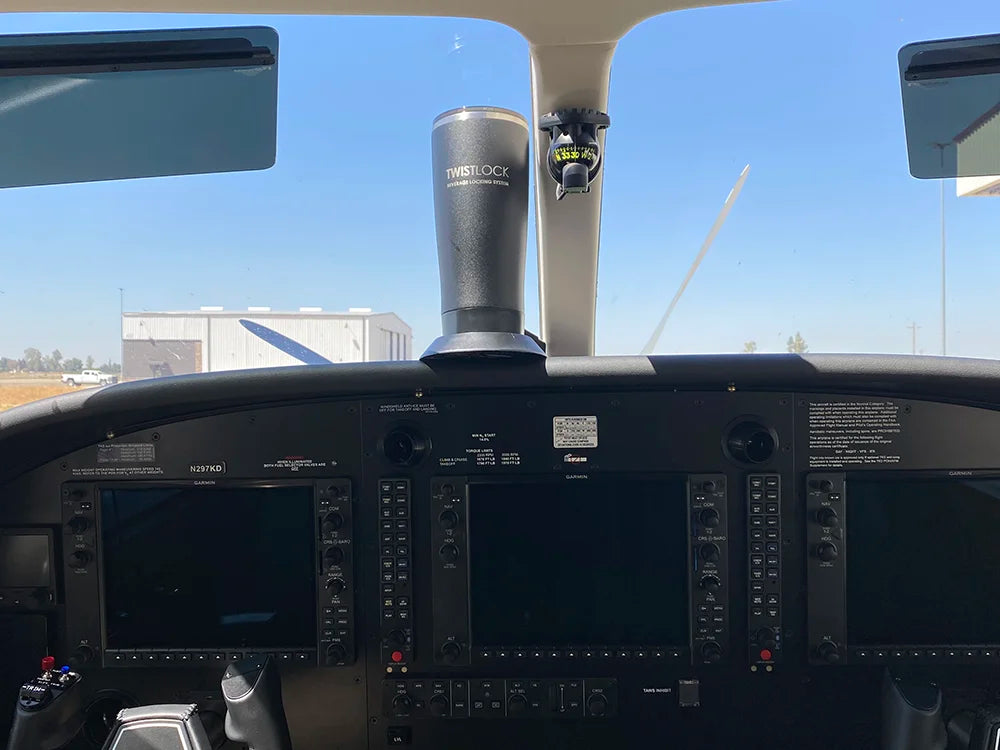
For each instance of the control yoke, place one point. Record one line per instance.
(255, 713)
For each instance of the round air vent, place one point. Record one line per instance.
(100, 715)
(750, 442)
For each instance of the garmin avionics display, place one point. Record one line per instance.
(923, 561)
(24, 560)
(209, 567)
(597, 561)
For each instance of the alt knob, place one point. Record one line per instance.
(78, 524)
(402, 704)
(451, 651)
(597, 705)
(711, 651)
(517, 705)
(766, 639)
(335, 654)
(448, 519)
(828, 517)
(709, 518)
(709, 552)
(827, 551)
(335, 585)
(80, 559)
(333, 522)
(828, 652)
(438, 705)
(83, 654)
(448, 553)
(710, 583)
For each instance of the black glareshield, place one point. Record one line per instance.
(480, 173)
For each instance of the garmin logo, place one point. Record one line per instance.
(960, 473)
(569, 458)
(478, 170)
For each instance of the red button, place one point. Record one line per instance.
(48, 662)
(765, 654)
(396, 656)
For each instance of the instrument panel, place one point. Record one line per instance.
(585, 565)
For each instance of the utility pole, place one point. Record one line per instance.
(913, 330)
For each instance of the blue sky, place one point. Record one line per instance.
(830, 237)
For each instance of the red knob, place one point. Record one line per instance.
(48, 663)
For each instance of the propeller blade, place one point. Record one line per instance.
(719, 221)
(289, 346)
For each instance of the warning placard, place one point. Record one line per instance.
(574, 432)
(853, 433)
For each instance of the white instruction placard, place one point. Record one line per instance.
(574, 432)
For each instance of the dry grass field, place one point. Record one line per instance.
(15, 394)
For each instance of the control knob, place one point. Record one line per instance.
(710, 552)
(709, 518)
(402, 704)
(765, 638)
(711, 651)
(828, 652)
(334, 556)
(448, 553)
(336, 585)
(448, 519)
(80, 559)
(451, 651)
(827, 551)
(82, 654)
(397, 637)
(517, 705)
(828, 517)
(335, 654)
(597, 705)
(710, 583)
(78, 524)
(438, 705)
(333, 522)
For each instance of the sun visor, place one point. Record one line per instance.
(951, 106)
(119, 105)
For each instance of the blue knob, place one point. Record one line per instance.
(64, 669)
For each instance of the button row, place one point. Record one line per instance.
(588, 653)
(879, 654)
(196, 658)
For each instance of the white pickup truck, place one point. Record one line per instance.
(89, 377)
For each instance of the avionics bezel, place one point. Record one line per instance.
(828, 584)
(450, 585)
(326, 493)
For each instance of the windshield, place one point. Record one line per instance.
(830, 246)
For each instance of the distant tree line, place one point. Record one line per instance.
(34, 361)
(795, 345)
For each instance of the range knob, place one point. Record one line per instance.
(333, 522)
(404, 446)
(334, 556)
(448, 553)
(402, 704)
(709, 518)
(710, 583)
(828, 517)
(827, 551)
(451, 651)
(711, 651)
(438, 705)
(709, 552)
(517, 705)
(336, 585)
(448, 519)
(78, 524)
(765, 638)
(335, 654)
(80, 559)
(751, 443)
(829, 652)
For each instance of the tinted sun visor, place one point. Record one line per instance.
(119, 105)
